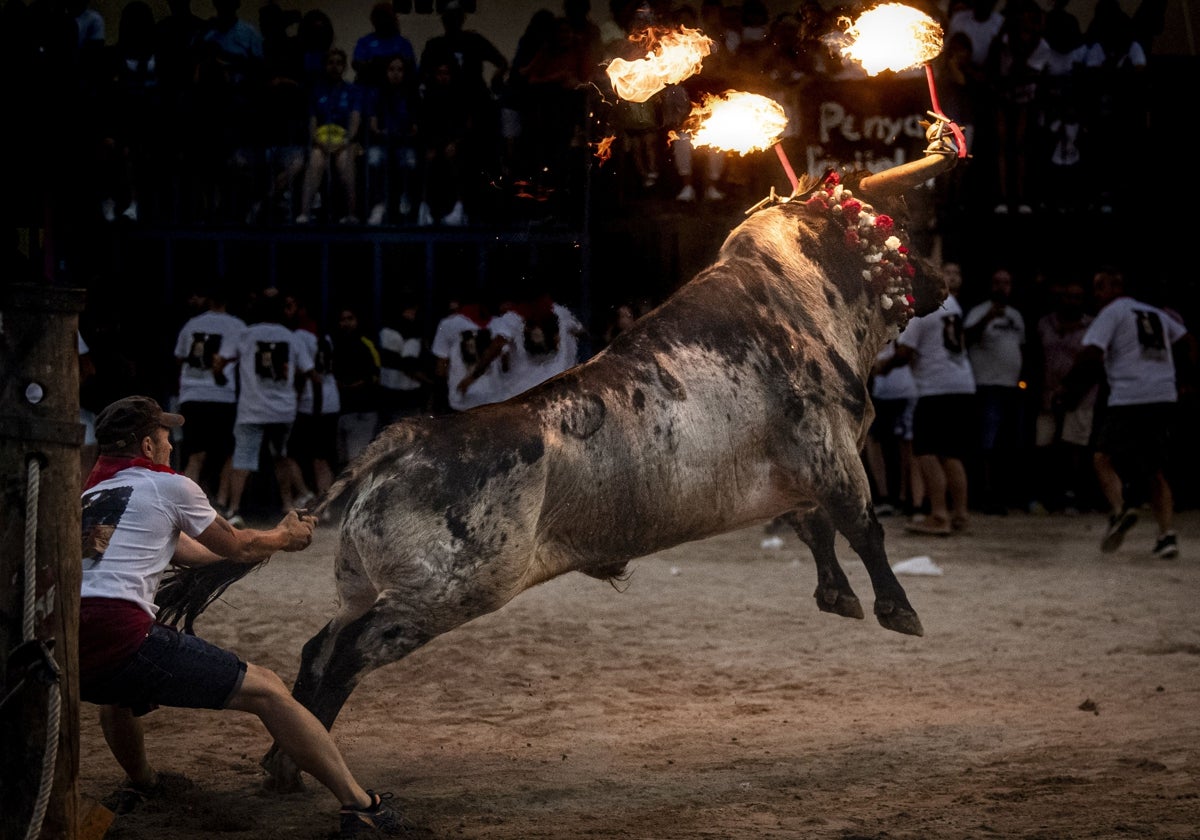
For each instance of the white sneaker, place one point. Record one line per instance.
(108, 208)
(302, 219)
(405, 205)
(456, 217)
(688, 193)
(424, 215)
(376, 217)
(713, 194)
(131, 211)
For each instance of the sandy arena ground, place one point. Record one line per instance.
(1055, 694)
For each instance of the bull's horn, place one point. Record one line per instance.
(902, 178)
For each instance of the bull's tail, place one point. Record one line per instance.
(367, 463)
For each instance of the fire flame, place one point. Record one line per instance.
(891, 37)
(737, 121)
(604, 148)
(671, 58)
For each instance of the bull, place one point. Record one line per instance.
(741, 399)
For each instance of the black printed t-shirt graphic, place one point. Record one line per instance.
(102, 511)
(271, 361)
(1150, 333)
(952, 333)
(472, 343)
(203, 347)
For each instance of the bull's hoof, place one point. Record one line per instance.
(900, 619)
(283, 776)
(838, 602)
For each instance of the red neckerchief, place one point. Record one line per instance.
(473, 311)
(109, 465)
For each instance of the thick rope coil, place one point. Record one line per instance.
(54, 701)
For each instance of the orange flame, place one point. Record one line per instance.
(604, 148)
(670, 58)
(737, 121)
(891, 37)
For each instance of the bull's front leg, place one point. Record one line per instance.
(833, 593)
(847, 499)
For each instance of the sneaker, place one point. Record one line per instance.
(884, 509)
(1000, 210)
(375, 821)
(1024, 209)
(376, 217)
(688, 193)
(424, 215)
(108, 209)
(713, 194)
(303, 501)
(348, 219)
(405, 205)
(1166, 547)
(1118, 525)
(303, 219)
(457, 217)
(131, 212)
(234, 518)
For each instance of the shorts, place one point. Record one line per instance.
(209, 429)
(1138, 433)
(893, 419)
(1076, 428)
(248, 442)
(169, 669)
(945, 425)
(314, 438)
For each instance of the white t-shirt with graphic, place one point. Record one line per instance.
(1136, 339)
(321, 351)
(391, 341)
(459, 341)
(131, 525)
(199, 340)
(527, 369)
(940, 363)
(271, 356)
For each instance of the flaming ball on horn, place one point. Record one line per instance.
(898, 37)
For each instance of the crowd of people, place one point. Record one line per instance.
(1064, 408)
(277, 390)
(285, 121)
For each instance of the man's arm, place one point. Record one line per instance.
(247, 545)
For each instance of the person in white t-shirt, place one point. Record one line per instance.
(944, 427)
(1132, 439)
(313, 444)
(468, 351)
(138, 517)
(209, 399)
(995, 333)
(273, 366)
(888, 451)
(545, 343)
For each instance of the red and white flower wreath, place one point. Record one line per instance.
(888, 273)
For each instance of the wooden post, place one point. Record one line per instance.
(39, 419)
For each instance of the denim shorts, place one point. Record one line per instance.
(170, 669)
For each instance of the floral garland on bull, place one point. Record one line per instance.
(888, 273)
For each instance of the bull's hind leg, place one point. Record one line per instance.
(833, 593)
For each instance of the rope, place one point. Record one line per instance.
(54, 701)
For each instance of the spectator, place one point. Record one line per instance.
(374, 52)
(392, 133)
(545, 343)
(995, 334)
(274, 365)
(1015, 84)
(335, 115)
(466, 49)
(1061, 435)
(466, 351)
(449, 115)
(356, 368)
(138, 516)
(934, 346)
(1136, 343)
(313, 443)
(208, 397)
(403, 379)
(888, 452)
